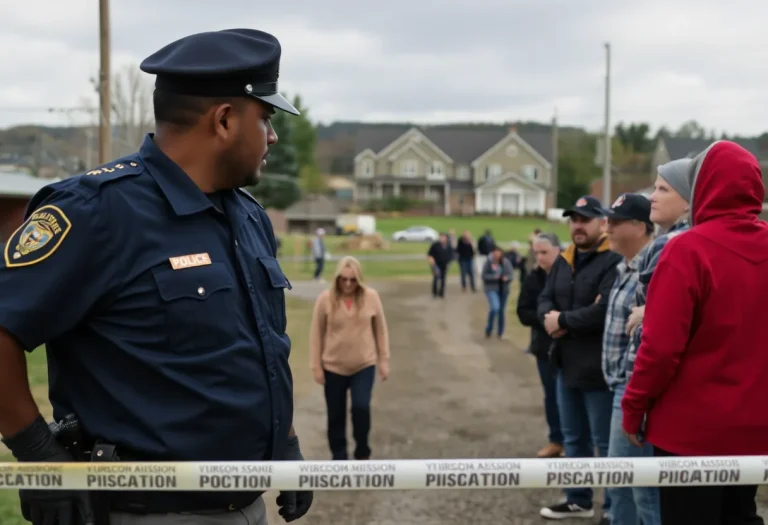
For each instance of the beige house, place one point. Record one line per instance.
(461, 168)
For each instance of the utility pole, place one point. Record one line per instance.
(607, 148)
(105, 105)
(553, 185)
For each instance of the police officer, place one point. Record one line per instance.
(154, 285)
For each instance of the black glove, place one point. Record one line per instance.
(293, 504)
(36, 443)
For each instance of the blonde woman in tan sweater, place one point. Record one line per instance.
(348, 342)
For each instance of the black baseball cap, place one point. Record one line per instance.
(586, 206)
(630, 206)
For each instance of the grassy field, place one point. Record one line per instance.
(371, 269)
(504, 230)
(299, 315)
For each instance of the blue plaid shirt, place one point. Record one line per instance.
(646, 268)
(620, 303)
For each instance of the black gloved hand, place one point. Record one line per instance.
(293, 504)
(36, 443)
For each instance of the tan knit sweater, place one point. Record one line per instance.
(348, 340)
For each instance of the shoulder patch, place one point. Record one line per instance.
(251, 197)
(38, 237)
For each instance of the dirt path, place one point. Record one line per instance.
(452, 394)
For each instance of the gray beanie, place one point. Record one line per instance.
(676, 174)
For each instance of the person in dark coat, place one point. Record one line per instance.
(573, 307)
(466, 255)
(546, 248)
(439, 256)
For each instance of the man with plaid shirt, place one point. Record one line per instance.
(630, 231)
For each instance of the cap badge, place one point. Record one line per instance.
(248, 88)
(581, 202)
(618, 202)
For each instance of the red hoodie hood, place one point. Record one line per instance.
(727, 197)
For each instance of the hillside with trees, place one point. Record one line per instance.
(307, 151)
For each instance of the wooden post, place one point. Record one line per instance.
(105, 104)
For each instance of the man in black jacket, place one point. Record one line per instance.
(572, 307)
(546, 249)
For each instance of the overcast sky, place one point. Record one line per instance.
(427, 60)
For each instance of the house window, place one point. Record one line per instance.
(409, 168)
(463, 173)
(436, 170)
(367, 168)
(531, 172)
(492, 170)
(511, 151)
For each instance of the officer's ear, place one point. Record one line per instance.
(226, 121)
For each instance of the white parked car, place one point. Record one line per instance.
(417, 233)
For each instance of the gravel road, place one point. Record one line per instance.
(451, 394)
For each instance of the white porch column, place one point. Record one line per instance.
(498, 203)
(521, 204)
(379, 190)
(396, 189)
(447, 198)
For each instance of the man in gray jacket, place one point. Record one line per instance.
(318, 252)
(497, 276)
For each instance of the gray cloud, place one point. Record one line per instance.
(434, 59)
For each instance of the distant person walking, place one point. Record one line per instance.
(439, 256)
(318, 252)
(348, 340)
(497, 276)
(466, 253)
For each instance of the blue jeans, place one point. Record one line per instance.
(585, 417)
(497, 303)
(319, 264)
(548, 376)
(630, 505)
(466, 267)
(360, 385)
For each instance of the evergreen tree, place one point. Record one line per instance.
(279, 184)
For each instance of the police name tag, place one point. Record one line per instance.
(190, 261)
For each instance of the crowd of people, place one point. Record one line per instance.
(647, 335)
(645, 330)
(488, 263)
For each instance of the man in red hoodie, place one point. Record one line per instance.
(701, 372)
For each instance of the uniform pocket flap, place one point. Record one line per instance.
(276, 276)
(193, 283)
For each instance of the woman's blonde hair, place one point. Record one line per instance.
(348, 262)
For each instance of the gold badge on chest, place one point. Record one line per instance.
(182, 262)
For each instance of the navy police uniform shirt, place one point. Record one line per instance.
(162, 309)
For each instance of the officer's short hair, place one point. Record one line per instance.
(184, 111)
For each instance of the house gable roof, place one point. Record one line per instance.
(463, 143)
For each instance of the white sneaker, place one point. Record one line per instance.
(564, 511)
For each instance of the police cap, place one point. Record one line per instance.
(227, 63)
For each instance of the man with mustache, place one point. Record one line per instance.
(572, 307)
(160, 301)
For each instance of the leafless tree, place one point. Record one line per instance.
(131, 109)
